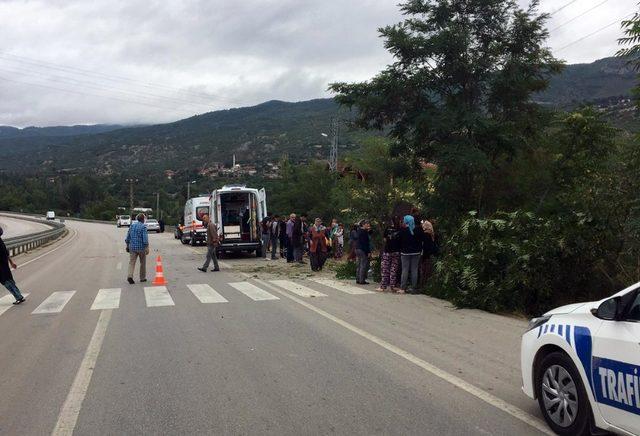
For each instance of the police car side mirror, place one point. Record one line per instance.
(609, 310)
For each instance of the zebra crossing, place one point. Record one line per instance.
(160, 296)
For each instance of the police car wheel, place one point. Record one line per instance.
(561, 396)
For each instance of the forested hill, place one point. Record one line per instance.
(580, 83)
(30, 132)
(257, 134)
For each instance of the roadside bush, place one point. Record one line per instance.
(521, 262)
(346, 270)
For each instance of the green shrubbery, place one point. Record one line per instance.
(518, 261)
(346, 270)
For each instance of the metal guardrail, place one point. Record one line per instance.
(24, 243)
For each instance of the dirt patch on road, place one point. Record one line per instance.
(280, 268)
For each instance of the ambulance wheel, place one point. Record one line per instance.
(561, 395)
(192, 241)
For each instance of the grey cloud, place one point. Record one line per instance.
(176, 58)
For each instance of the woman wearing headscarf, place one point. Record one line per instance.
(411, 240)
(6, 278)
(429, 249)
(318, 245)
(390, 258)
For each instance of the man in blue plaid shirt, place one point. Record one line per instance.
(138, 247)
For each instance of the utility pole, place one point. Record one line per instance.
(131, 182)
(333, 155)
(189, 189)
(158, 203)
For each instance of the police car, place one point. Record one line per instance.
(582, 363)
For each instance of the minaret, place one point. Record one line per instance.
(234, 161)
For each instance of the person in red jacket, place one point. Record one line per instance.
(318, 245)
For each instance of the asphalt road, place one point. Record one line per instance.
(17, 227)
(306, 361)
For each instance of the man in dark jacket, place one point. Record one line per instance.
(296, 239)
(282, 232)
(6, 278)
(363, 252)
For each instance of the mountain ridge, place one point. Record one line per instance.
(258, 135)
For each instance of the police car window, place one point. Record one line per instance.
(634, 311)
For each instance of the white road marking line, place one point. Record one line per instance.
(206, 294)
(252, 291)
(75, 234)
(6, 302)
(68, 416)
(157, 296)
(107, 299)
(224, 264)
(119, 266)
(54, 303)
(297, 288)
(341, 286)
(491, 399)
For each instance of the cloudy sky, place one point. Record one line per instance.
(146, 61)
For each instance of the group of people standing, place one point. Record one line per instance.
(294, 236)
(408, 246)
(406, 256)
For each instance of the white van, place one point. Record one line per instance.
(238, 211)
(194, 230)
(51, 215)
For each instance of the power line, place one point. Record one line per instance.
(81, 71)
(578, 16)
(71, 91)
(101, 87)
(562, 7)
(593, 33)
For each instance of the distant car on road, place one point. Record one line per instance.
(152, 225)
(124, 221)
(51, 215)
(582, 363)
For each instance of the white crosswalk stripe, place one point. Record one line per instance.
(158, 296)
(54, 303)
(297, 288)
(6, 302)
(341, 286)
(107, 299)
(206, 294)
(253, 292)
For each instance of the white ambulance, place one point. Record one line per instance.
(582, 363)
(194, 230)
(238, 211)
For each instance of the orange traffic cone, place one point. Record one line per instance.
(159, 280)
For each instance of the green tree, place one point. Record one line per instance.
(631, 40)
(459, 91)
(375, 183)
